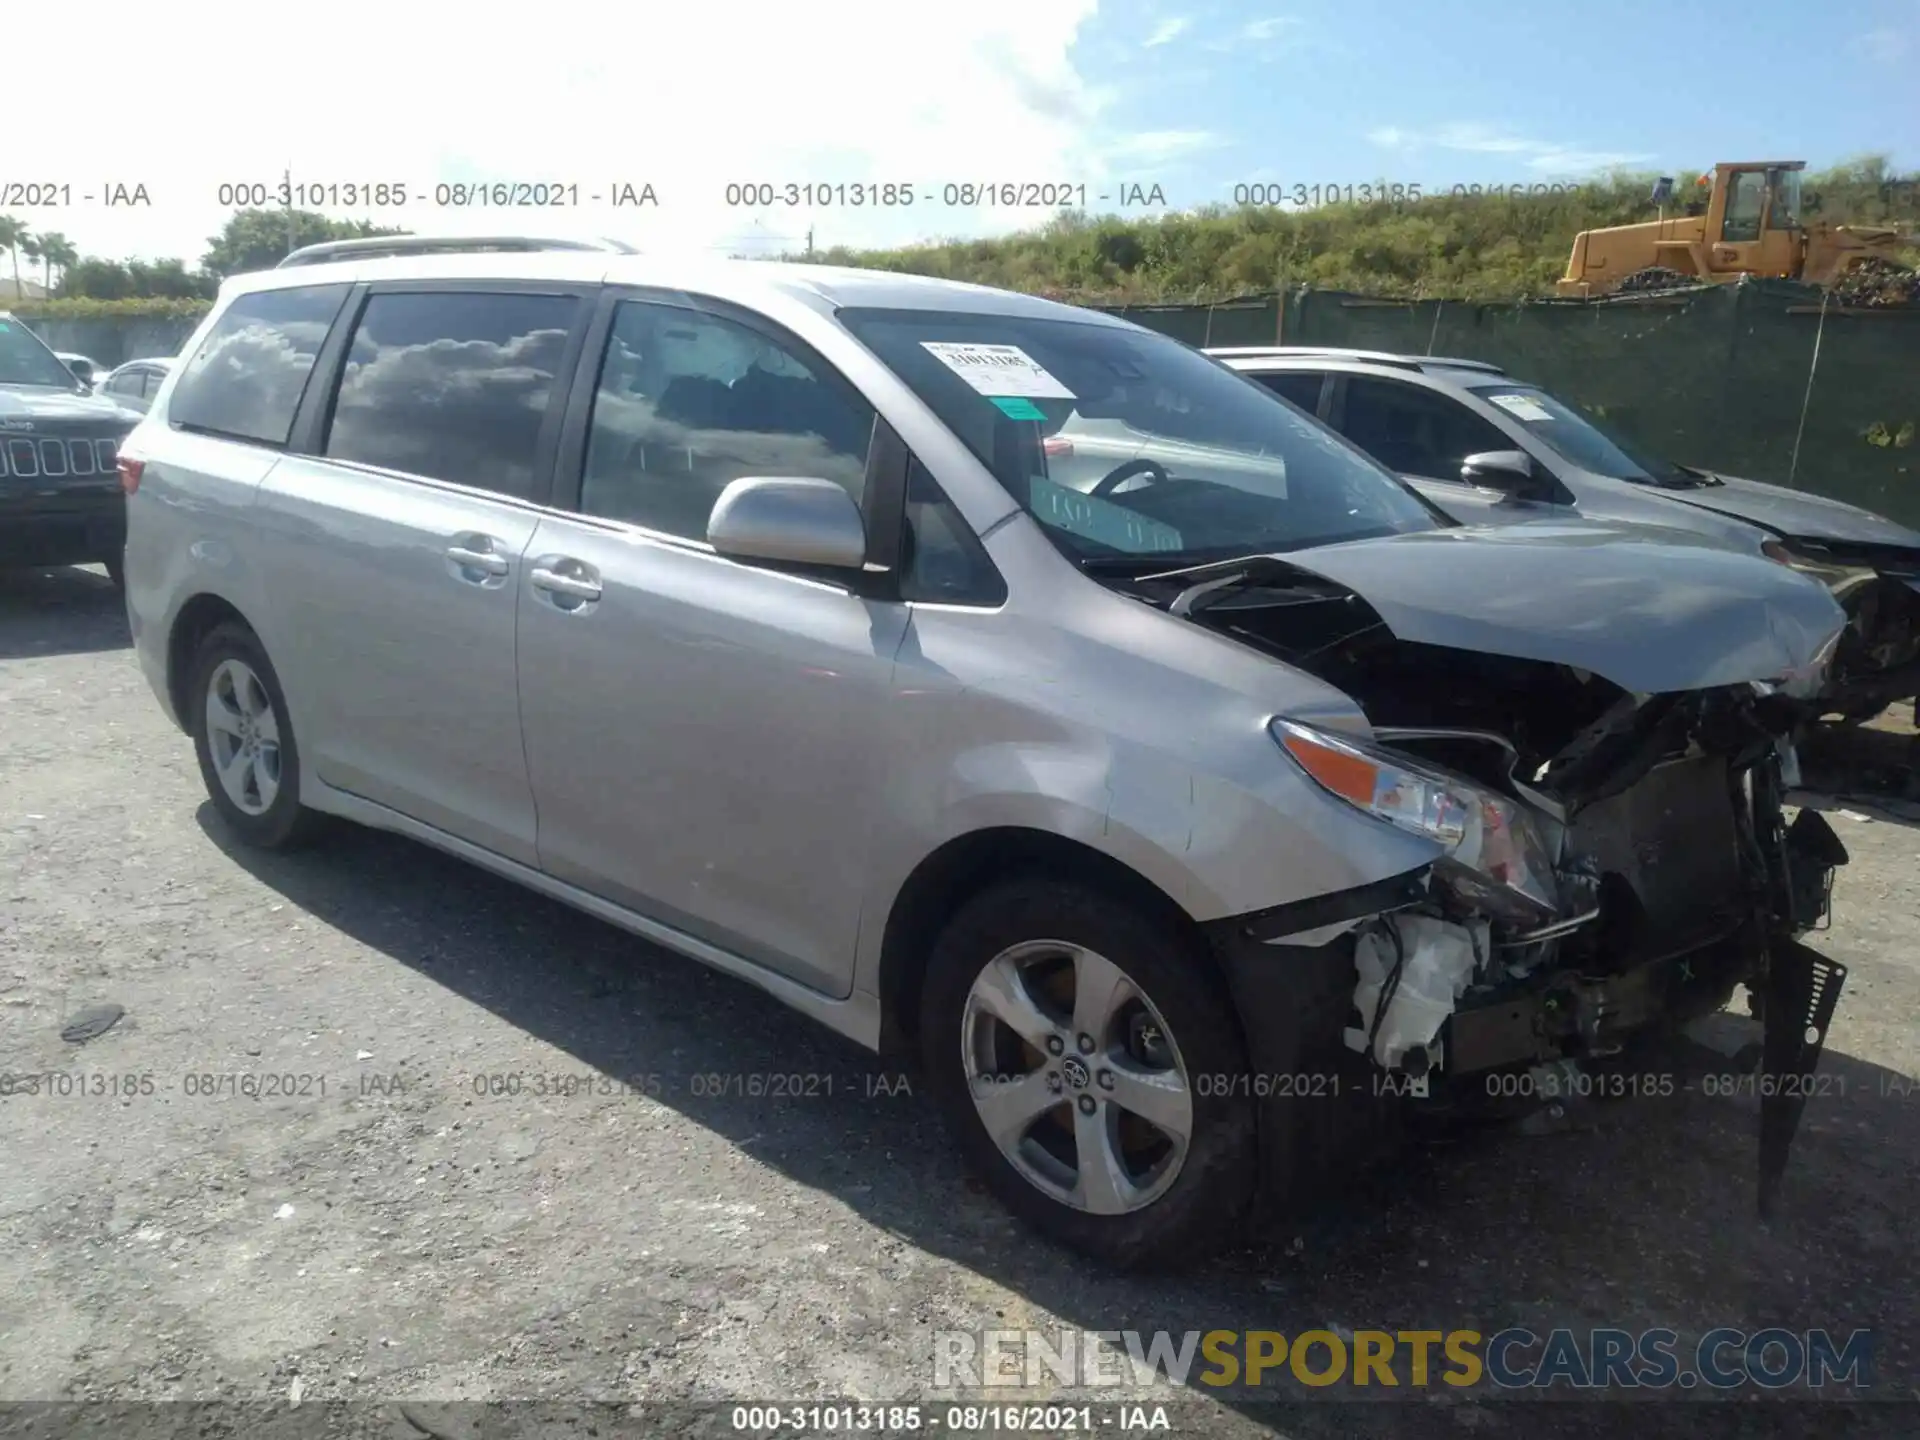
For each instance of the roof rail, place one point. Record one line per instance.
(1333, 352)
(381, 247)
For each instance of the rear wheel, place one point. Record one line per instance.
(243, 738)
(1069, 1038)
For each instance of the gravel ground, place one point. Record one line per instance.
(407, 1236)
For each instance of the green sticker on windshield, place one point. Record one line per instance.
(1018, 407)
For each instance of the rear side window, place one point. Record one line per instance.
(246, 379)
(1302, 387)
(452, 385)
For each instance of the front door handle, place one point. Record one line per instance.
(566, 581)
(476, 559)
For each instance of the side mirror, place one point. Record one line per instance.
(790, 520)
(1510, 472)
(82, 371)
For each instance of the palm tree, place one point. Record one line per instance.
(56, 253)
(13, 234)
(30, 247)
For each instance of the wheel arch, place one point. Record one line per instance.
(968, 864)
(194, 622)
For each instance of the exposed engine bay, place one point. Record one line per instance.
(1629, 866)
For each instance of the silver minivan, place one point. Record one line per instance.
(1195, 831)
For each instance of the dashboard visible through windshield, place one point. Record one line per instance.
(1123, 443)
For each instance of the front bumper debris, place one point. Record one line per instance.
(1687, 883)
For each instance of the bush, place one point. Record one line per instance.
(1483, 247)
(104, 309)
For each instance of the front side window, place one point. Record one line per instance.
(25, 360)
(1129, 446)
(1415, 431)
(246, 379)
(689, 402)
(1746, 195)
(452, 385)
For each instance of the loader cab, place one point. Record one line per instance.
(1753, 219)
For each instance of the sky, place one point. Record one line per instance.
(1104, 100)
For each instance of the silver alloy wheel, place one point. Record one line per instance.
(243, 737)
(1076, 1076)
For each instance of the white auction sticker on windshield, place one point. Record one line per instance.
(998, 370)
(1523, 407)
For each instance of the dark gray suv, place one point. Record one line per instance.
(1490, 449)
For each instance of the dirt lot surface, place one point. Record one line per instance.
(665, 1234)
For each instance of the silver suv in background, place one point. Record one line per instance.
(134, 384)
(1492, 449)
(1191, 829)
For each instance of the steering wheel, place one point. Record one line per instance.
(1120, 474)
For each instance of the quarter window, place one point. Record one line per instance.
(689, 402)
(246, 379)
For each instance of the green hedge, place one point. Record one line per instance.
(32, 309)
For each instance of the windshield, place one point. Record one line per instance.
(1576, 437)
(25, 361)
(1122, 443)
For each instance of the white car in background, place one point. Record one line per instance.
(135, 383)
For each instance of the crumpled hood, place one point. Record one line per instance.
(1648, 612)
(1791, 513)
(27, 405)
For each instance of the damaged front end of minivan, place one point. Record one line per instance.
(1612, 862)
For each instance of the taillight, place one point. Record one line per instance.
(1054, 445)
(130, 472)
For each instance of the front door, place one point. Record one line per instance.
(704, 735)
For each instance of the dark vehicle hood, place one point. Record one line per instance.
(33, 404)
(1791, 513)
(1648, 612)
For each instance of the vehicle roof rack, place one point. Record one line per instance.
(382, 247)
(1371, 357)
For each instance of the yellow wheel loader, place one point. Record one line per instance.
(1745, 221)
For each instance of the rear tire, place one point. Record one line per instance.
(243, 738)
(1087, 1029)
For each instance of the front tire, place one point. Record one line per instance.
(243, 738)
(1069, 1038)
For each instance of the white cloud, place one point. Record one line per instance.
(1541, 156)
(688, 98)
(1150, 146)
(1168, 30)
(1884, 46)
(1266, 29)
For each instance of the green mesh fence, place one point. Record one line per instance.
(1724, 378)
